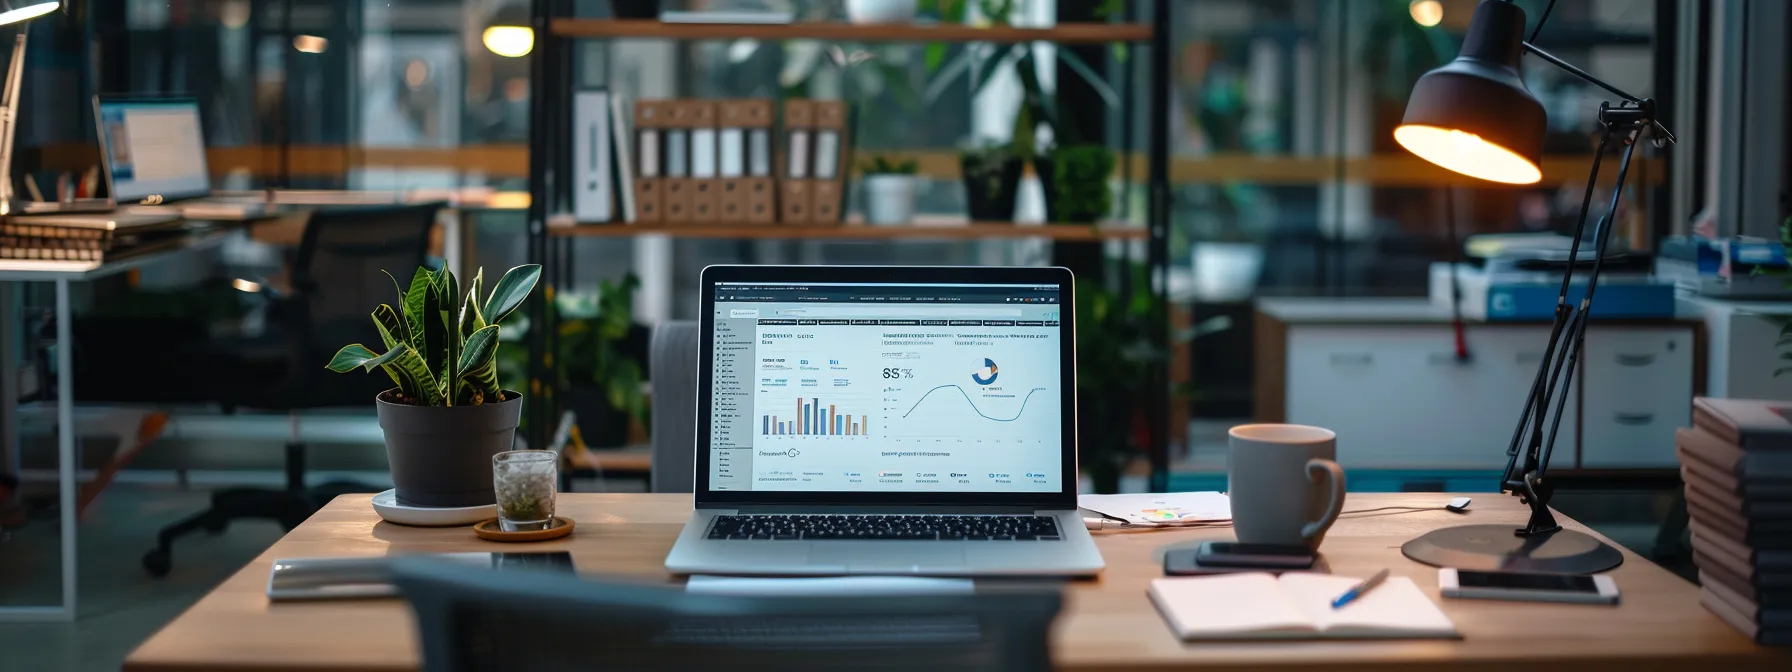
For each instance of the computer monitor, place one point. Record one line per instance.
(901, 384)
(153, 149)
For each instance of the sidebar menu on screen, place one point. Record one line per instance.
(731, 436)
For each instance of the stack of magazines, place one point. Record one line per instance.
(1736, 461)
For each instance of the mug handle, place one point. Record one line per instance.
(1335, 476)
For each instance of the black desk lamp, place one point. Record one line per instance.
(1475, 117)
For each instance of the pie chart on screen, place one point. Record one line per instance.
(987, 374)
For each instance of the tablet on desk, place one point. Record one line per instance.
(362, 578)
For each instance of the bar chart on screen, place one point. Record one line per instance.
(815, 416)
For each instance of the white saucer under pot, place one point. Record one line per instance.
(386, 504)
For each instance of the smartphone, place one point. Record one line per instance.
(1528, 587)
(1183, 562)
(1261, 556)
(362, 578)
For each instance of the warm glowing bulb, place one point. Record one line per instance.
(1426, 13)
(310, 44)
(1468, 154)
(28, 13)
(512, 41)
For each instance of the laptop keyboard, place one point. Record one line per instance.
(905, 527)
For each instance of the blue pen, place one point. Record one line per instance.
(1360, 589)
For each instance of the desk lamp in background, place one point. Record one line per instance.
(19, 12)
(1474, 116)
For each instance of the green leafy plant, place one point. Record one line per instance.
(1080, 182)
(885, 165)
(1038, 107)
(436, 355)
(1783, 346)
(1115, 356)
(598, 340)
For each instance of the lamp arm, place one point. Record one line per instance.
(1577, 72)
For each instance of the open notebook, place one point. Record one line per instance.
(1296, 606)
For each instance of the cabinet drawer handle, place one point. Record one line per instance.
(1442, 359)
(1340, 358)
(1634, 419)
(1634, 360)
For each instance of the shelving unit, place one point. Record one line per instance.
(550, 232)
(1065, 33)
(1064, 233)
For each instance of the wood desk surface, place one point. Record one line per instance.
(1107, 623)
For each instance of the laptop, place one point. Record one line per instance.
(886, 420)
(153, 154)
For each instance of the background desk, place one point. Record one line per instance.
(1383, 374)
(1107, 623)
(62, 273)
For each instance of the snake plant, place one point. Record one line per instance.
(436, 355)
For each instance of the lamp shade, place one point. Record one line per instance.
(26, 10)
(1474, 115)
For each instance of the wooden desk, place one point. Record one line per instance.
(1107, 623)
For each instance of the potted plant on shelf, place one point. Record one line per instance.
(447, 415)
(991, 182)
(1038, 121)
(889, 189)
(1076, 183)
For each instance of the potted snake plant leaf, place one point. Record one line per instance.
(446, 416)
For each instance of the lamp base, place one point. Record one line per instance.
(1496, 548)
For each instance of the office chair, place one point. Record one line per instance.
(672, 358)
(337, 281)
(471, 618)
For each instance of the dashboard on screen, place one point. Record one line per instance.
(886, 387)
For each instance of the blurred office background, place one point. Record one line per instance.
(1285, 182)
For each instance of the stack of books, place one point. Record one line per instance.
(1736, 461)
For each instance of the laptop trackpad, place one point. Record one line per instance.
(859, 556)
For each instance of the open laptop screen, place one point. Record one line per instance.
(154, 149)
(887, 387)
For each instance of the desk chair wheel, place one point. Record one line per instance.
(157, 563)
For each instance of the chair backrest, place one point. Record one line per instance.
(471, 618)
(345, 255)
(673, 361)
(339, 276)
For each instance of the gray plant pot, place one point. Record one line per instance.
(442, 456)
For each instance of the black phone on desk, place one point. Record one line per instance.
(370, 577)
(1255, 556)
(1194, 560)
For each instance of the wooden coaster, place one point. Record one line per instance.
(488, 530)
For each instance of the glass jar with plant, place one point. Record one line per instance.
(888, 187)
(446, 416)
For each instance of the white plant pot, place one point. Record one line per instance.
(880, 11)
(889, 199)
(1226, 271)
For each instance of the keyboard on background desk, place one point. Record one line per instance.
(907, 527)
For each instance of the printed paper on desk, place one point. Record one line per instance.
(1160, 508)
